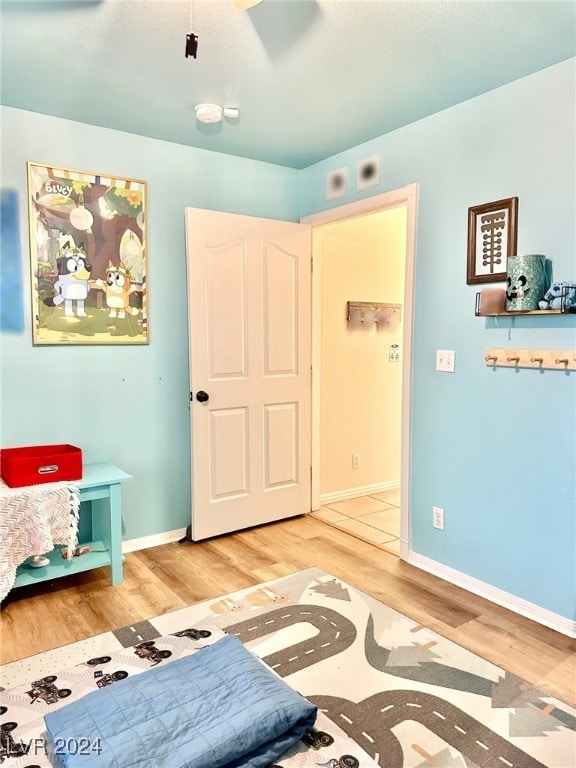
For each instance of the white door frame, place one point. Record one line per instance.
(405, 196)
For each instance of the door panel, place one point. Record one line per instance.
(250, 328)
(225, 300)
(281, 312)
(281, 440)
(229, 444)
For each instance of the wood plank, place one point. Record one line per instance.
(168, 577)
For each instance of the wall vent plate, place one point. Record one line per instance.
(208, 113)
(336, 183)
(368, 173)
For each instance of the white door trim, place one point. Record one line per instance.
(404, 196)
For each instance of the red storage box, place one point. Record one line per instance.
(37, 464)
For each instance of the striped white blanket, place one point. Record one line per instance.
(33, 519)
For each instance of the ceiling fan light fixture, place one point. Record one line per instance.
(243, 5)
(208, 113)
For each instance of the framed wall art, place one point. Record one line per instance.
(492, 237)
(88, 257)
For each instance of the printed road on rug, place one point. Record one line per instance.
(406, 696)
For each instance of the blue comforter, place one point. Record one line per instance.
(220, 707)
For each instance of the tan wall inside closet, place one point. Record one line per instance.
(362, 260)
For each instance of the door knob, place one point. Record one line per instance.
(202, 396)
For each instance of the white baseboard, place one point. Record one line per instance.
(505, 599)
(145, 542)
(364, 490)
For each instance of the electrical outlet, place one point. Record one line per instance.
(438, 518)
(445, 360)
(355, 461)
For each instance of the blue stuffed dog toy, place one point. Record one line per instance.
(560, 295)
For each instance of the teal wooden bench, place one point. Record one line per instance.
(101, 484)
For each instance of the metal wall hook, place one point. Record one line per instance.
(539, 359)
(382, 311)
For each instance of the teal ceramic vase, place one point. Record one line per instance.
(526, 282)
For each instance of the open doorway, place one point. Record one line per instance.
(362, 310)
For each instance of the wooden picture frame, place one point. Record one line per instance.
(88, 257)
(492, 237)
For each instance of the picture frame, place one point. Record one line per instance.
(88, 257)
(492, 237)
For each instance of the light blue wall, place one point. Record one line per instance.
(127, 405)
(495, 448)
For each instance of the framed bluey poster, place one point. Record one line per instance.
(88, 257)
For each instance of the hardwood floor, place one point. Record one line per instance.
(171, 576)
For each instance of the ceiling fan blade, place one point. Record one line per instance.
(242, 5)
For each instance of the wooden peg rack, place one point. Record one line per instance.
(552, 359)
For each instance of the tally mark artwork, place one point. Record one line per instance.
(88, 257)
(492, 239)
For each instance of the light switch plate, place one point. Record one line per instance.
(445, 360)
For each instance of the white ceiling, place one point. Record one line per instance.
(311, 77)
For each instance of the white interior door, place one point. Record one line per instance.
(249, 330)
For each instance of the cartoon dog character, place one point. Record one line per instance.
(118, 288)
(560, 295)
(72, 284)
